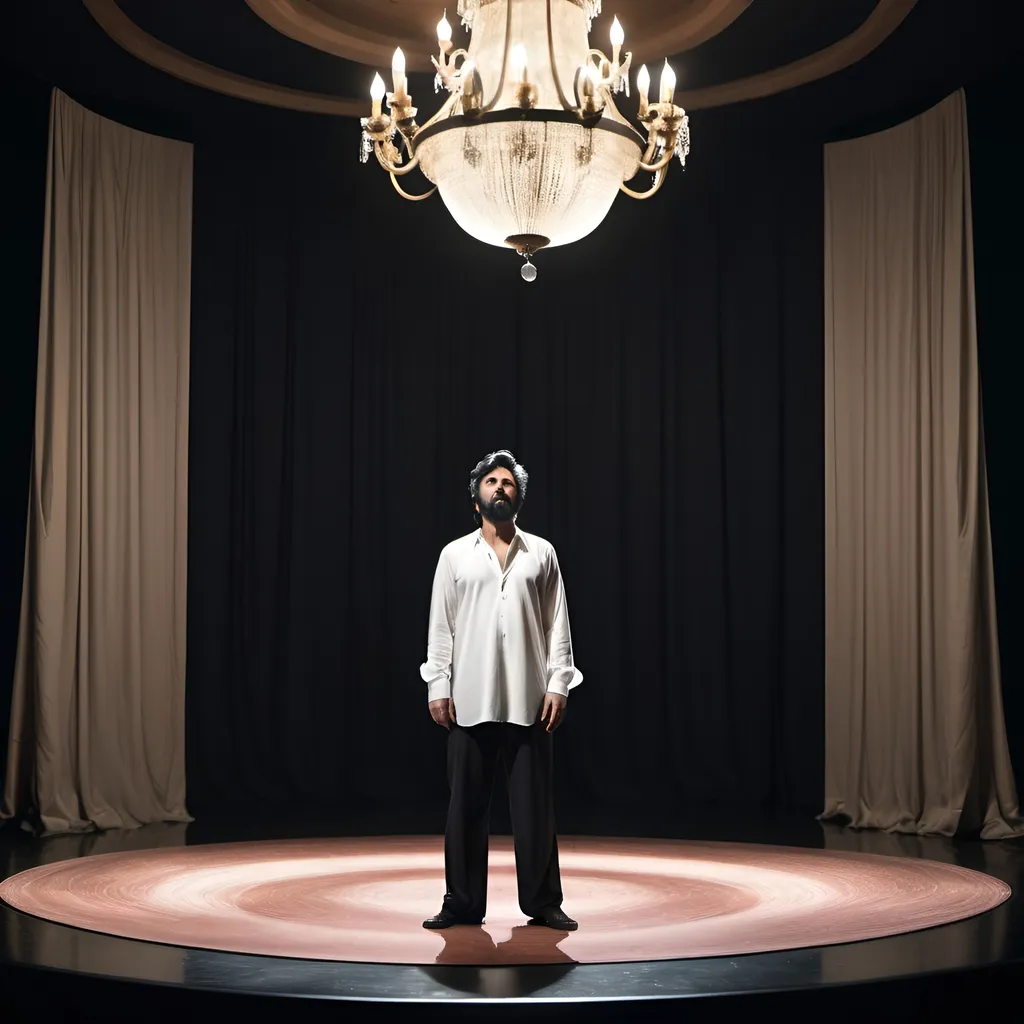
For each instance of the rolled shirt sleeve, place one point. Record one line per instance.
(562, 673)
(436, 671)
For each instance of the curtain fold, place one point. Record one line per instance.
(668, 409)
(915, 736)
(97, 717)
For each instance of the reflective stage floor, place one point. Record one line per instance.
(680, 921)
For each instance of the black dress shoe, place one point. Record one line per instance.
(555, 917)
(445, 919)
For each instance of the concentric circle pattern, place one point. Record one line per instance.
(364, 899)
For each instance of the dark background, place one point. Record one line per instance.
(353, 356)
(997, 156)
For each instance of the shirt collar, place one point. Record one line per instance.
(519, 537)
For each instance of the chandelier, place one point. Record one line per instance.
(529, 149)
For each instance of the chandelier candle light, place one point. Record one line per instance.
(529, 149)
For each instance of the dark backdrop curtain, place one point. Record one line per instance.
(997, 155)
(338, 404)
(26, 107)
(352, 358)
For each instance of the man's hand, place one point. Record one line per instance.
(553, 711)
(443, 711)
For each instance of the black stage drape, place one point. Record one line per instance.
(26, 106)
(353, 356)
(997, 155)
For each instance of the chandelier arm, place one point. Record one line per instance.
(619, 71)
(443, 112)
(659, 180)
(394, 168)
(566, 105)
(446, 69)
(670, 153)
(504, 60)
(405, 195)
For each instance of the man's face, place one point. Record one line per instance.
(497, 495)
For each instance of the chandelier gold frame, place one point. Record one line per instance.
(395, 137)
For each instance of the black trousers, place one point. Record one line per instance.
(527, 754)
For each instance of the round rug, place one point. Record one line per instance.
(364, 899)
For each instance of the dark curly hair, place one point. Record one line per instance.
(507, 460)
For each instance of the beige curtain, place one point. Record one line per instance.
(915, 737)
(97, 721)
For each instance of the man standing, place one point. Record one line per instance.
(498, 672)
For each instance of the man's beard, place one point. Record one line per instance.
(498, 511)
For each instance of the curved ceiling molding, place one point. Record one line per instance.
(703, 22)
(705, 19)
(876, 28)
(148, 48)
(661, 33)
(307, 23)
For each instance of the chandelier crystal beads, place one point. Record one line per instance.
(529, 149)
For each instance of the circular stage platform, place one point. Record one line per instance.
(363, 900)
(802, 918)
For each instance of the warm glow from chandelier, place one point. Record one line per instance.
(529, 149)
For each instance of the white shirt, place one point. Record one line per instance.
(497, 640)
